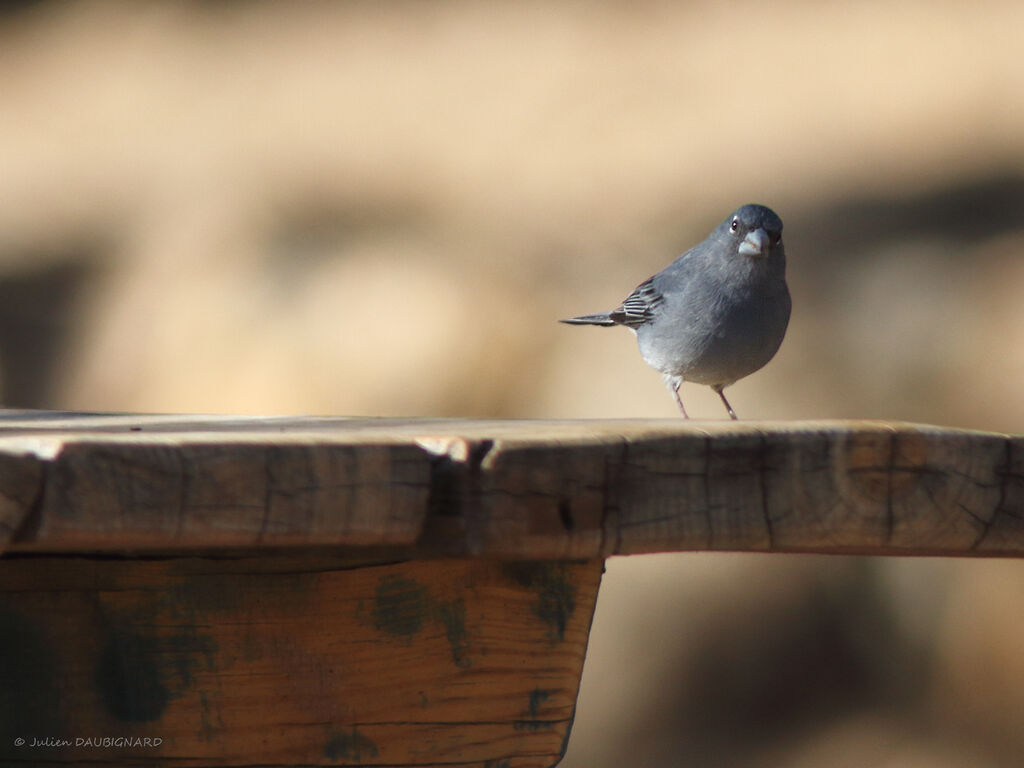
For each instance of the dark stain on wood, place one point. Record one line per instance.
(533, 726)
(400, 607)
(537, 697)
(565, 514)
(29, 694)
(350, 745)
(211, 724)
(129, 679)
(452, 614)
(556, 594)
(138, 674)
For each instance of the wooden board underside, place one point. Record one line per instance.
(441, 662)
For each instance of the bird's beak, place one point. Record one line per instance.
(755, 243)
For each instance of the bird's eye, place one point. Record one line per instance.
(735, 225)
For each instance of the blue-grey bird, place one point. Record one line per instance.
(718, 312)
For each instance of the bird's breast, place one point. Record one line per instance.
(716, 339)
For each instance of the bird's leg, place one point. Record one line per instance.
(675, 394)
(721, 394)
(673, 383)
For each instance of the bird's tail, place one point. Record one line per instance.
(601, 318)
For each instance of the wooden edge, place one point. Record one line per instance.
(516, 489)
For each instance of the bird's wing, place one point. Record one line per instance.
(639, 306)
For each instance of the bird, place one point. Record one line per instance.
(717, 313)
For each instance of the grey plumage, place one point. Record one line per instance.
(718, 312)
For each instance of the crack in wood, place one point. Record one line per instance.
(710, 543)
(763, 477)
(1000, 508)
(890, 522)
(611, 515)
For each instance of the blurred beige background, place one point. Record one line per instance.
(383, 208)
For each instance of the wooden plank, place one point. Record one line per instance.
(507, 489)
(284, 661)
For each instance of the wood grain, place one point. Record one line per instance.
(281, 661)
(505, 489)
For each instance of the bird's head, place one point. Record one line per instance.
(755, 230)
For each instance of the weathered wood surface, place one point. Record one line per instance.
(286, 660)
(505, 489)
